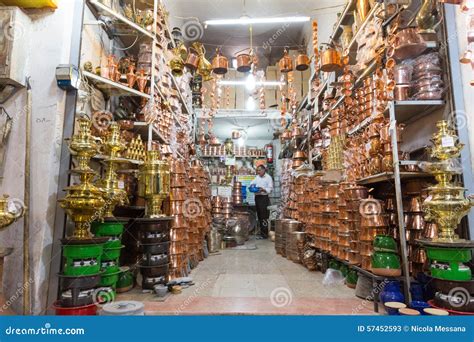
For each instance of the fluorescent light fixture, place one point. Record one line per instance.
(250, 21)
(257, 83)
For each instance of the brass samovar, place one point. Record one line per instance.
(114, 194)
(154, 183)
(446, 203)
(84, 201)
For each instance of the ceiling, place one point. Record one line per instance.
(269, 39)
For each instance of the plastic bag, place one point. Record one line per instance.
(333, 277)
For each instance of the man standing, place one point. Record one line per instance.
(264, 183)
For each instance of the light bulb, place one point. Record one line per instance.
(250, 83)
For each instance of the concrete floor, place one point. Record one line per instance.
(254, 282)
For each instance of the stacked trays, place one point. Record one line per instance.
(179, 233)
(154, 248)
(289, 227)
(295, 239)
(81, 273)
(279, 237)
(110, 260)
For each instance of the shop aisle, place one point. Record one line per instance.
(255, 282)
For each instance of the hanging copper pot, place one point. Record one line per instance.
(330, 59)
(302, 62)
(244, 62)
(220, 64)
(286, 63)
(192, 62)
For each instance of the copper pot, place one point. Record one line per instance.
(408, 44)
(299, 155)
(416, 221)
(302, 62)
(366, 248)
(220, 64)
(297, 163)
(178, 248)
(415, 204)
(178, 181)
(178, 194)
(354, 245)
(179, 221)
(333, 191)
(369, 234)
(178, 235)
(343, 239)
(354, 257)
(244, 62)
(178, 166)
(374, 221)
(402, 92)
(356, 193)
(366, 263)
(330, 60)
(192, 61)
(285, 63)
(430, 231)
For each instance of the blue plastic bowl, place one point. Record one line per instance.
(253, 189)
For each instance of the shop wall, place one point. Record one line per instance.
(50, 44)
(467, 74)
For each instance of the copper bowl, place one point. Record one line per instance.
(354, 257)
(366, 262)
(354, 245)
(178, 235)
(178, 248)
(329, 206)
(416, 221)
(366, 248)
(176, 207)
(356, 192)
(374, 221)
(344, 239)
(333, 191)
(178, 194)
(178, 181)
(178, 166)
(354, 235)
(179, 221)
(244, 62)
(415, 205)
(369, 234)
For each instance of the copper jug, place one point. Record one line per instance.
(220, 64)
(302, 62)
(285, 63)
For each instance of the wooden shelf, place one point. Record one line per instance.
(389, 176)
(112, 88)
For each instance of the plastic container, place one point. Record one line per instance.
(87, 310)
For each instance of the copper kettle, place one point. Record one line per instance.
(192, 62)
(331, 59)
(220, 64)
(302, 62)
(285, 63)
(244, 62)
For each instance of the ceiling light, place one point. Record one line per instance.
(234, 63)
(250, 21)
(250, 83)
(257, 83)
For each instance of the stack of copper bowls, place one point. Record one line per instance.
(289, 227)
(391, 210)
(346, 229)
(179, 258)
(292, 203)
(217, 206)
(295, 239)
(299, 158)
(415, 227)
(302, 206)
(328, 206)
(227, 208)
(350, 219)
(373, 222)
(237, 193)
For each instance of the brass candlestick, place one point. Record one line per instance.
(154, 183)
(114, 194)
(84, 201)
(446, 204)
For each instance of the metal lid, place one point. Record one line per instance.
(123, 308)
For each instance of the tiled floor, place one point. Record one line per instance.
(255, 282)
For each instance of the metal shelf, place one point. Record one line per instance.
(121, 26)
(350, 47)
(407, 110)
(390, 176)
(142, 129)
(344, 19)
(125, 160)
(112, 88)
